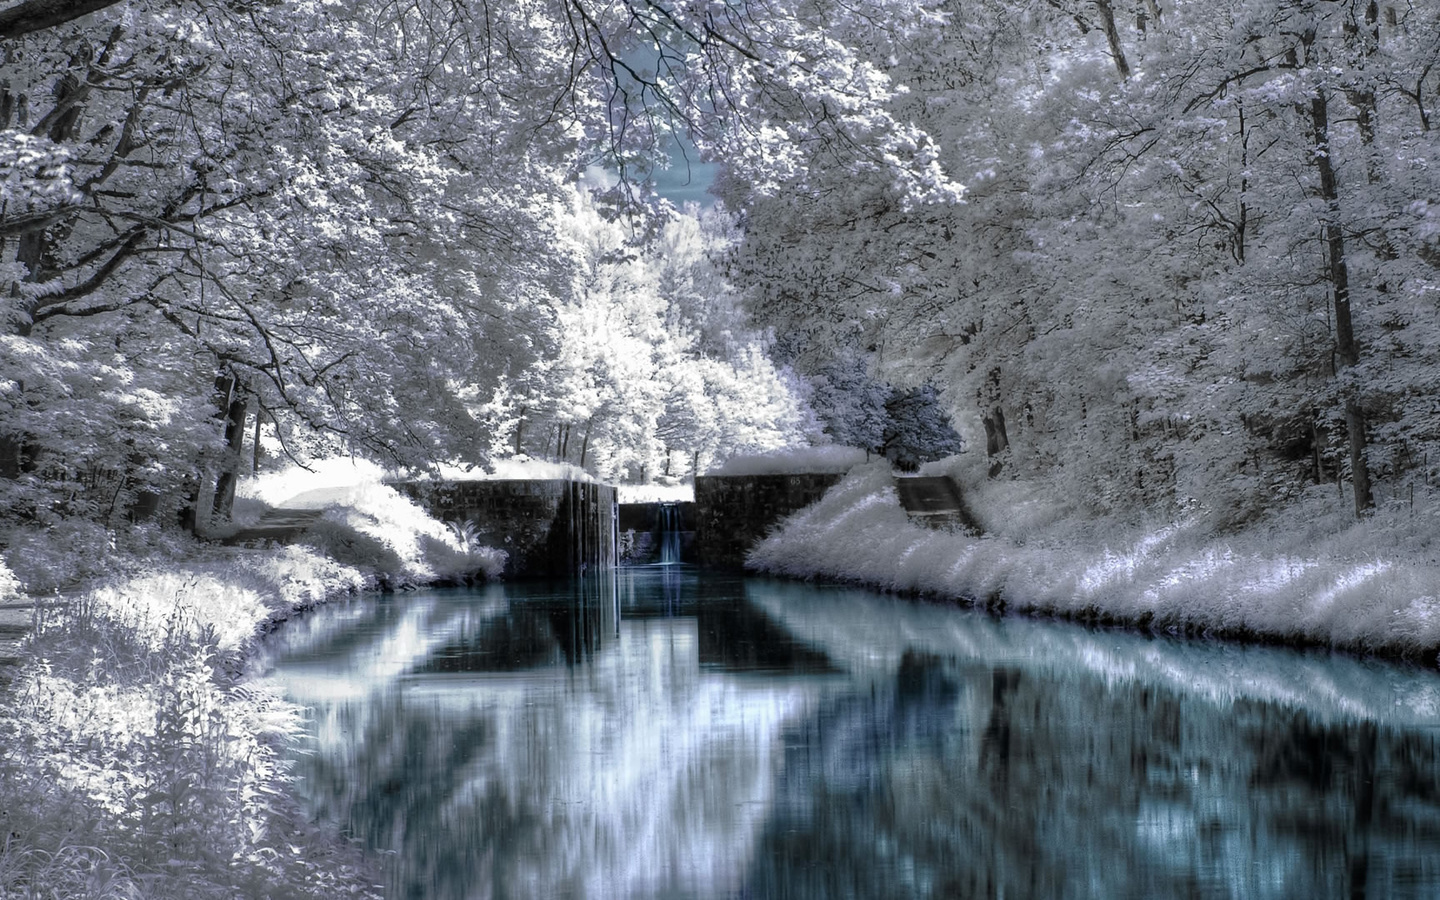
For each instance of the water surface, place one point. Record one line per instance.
(658, 733)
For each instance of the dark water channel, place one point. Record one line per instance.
(662, 734)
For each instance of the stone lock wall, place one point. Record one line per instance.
(733, 512)
(551, 528)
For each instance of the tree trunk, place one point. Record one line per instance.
(255, 450)
(12, 455)
(996, 439)
(1347, 349)
(39, 15)
(1365, 41)
(1112, 36)
(234, 407)
(1242, 214)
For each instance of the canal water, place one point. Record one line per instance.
(660, 733)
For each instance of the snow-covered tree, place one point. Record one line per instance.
(1172, 213)
(347, 210)
(652, 368)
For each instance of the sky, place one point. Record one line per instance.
(686, 182)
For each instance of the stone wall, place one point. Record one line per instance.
(733, 512)
(551, 528)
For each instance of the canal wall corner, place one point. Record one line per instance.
(734, 512)
(548, 528)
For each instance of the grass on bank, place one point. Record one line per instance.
(136, 760)
(1308, 574)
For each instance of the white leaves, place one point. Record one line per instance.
(35, 174)
(647, 351)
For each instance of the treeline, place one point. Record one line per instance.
(1196, 263)
(1192, 265)
(361, 223)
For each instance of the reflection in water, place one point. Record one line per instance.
(654, 733)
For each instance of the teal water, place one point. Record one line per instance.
(659, 733)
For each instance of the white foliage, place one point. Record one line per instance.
(1355, 589)
(405, 543)
(124, 725)
(649, 364)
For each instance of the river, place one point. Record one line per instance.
(664, 733)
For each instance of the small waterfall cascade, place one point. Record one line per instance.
(669, 518)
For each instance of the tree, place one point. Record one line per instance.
(347, 208)
(652, 356)
(918, 429)
(851, 404)
(1152, 273)
(251, 219)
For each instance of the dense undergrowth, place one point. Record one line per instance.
(136, 759)
(1304, 575)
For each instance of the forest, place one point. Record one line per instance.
(1163, 257)
(1169, 268)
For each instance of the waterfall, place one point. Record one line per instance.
(669, 534)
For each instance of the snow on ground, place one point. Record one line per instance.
(794, 460)
(1357, 589)
(408, 544)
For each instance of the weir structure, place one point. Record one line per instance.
(559, 528)
(549, 528)
(656, 533)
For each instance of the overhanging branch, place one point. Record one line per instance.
(38, 15)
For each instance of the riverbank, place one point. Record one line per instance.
(1304, 579)
(137, 760)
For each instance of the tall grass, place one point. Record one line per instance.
(135, 760)
(1306, 576)
(371, 526)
